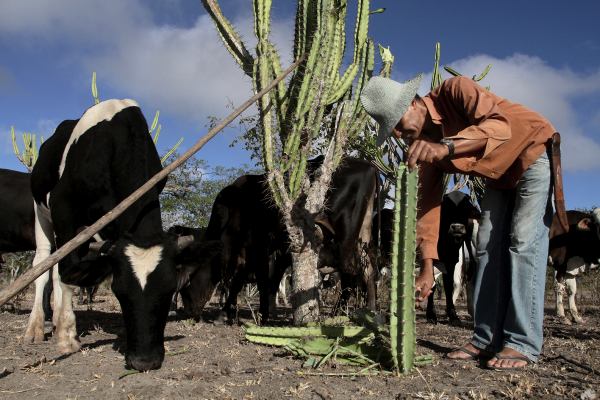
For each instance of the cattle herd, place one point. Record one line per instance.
(90, 165)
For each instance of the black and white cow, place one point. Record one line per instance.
(573, 253)
(251, 229)
(83, 171)
(456, 211)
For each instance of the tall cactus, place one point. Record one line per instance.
(293, 115)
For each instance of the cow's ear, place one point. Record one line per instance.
(195, 256)
(184, 276)
(584, 224)
(87, 273)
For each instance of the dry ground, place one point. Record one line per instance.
(221, 364)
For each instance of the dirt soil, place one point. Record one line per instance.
(221, 364)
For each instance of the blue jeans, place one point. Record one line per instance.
(512, 250)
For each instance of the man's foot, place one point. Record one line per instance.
(508, 359)
(468, 352)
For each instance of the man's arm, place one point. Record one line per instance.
(427, 150)
(428, 224)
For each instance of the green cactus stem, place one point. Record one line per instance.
(298, 332)
(404, 239)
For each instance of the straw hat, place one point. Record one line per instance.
(386, 101)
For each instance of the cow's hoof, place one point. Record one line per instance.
(433, 321)
(565, 321)
(221, 319)
(578, 320)
(33, 339)
(455, 322)
(69, 347)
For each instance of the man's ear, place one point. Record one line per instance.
(87, 273)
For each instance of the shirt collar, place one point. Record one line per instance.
(435, 116)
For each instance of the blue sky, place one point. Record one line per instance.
(167, 56)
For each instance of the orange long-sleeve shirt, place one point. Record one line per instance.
(516, 138)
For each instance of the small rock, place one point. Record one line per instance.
(589, 394)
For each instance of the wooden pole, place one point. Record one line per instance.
(24, 280)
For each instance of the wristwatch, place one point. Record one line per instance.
(450, 144)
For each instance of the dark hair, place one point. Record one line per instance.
(417, 97)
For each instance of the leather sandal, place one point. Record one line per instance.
(472, 355)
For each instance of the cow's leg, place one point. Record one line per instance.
(571, 284)
(457, 278)
(430, 313)
(262, 282)
(57, 295)
(228, 310)
(448, 280)
(559, 290)
(35, 326)
(66, 330)
(91, 292)
(68, 341)
(282, 292)
(47, 296)
(371, 282)
(279, 266)
(43, 238)
(173, 307)
(225, 290)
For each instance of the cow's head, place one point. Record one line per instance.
(145, 277)
(457, 210)
(590, 223)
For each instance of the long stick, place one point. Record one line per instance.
(24, 280)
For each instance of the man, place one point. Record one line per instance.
(461, 127)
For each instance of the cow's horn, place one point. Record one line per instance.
(184, 241)
(101, 247)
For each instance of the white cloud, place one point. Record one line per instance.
(186, 73)
(528, 80)
(72, 21)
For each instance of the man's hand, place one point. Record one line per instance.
(425, 150)
(425, 281)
